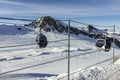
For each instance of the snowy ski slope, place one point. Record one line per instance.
(32, 63)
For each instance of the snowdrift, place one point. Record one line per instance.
(110, 72)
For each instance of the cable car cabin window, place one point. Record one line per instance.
(100, 43)
(42, 41)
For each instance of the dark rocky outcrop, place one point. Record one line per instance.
(91, 28)
(117, 42)
(48, 24)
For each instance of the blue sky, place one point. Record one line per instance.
(102, 12)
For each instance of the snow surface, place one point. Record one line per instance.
(32, 63)
(109, 72)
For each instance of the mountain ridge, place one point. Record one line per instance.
(47, 24)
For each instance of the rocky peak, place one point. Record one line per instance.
(48, 23)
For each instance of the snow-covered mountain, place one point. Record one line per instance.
(33, 63)
(49, 24)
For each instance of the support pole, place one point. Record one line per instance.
(69, 49)
(113, 44)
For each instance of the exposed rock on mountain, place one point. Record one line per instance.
(48, 23)
(117, 42)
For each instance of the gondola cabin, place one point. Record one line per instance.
(100, 43)
(42, 40)
(103, 44)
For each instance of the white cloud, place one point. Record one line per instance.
(59, 10)
(11, 2)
